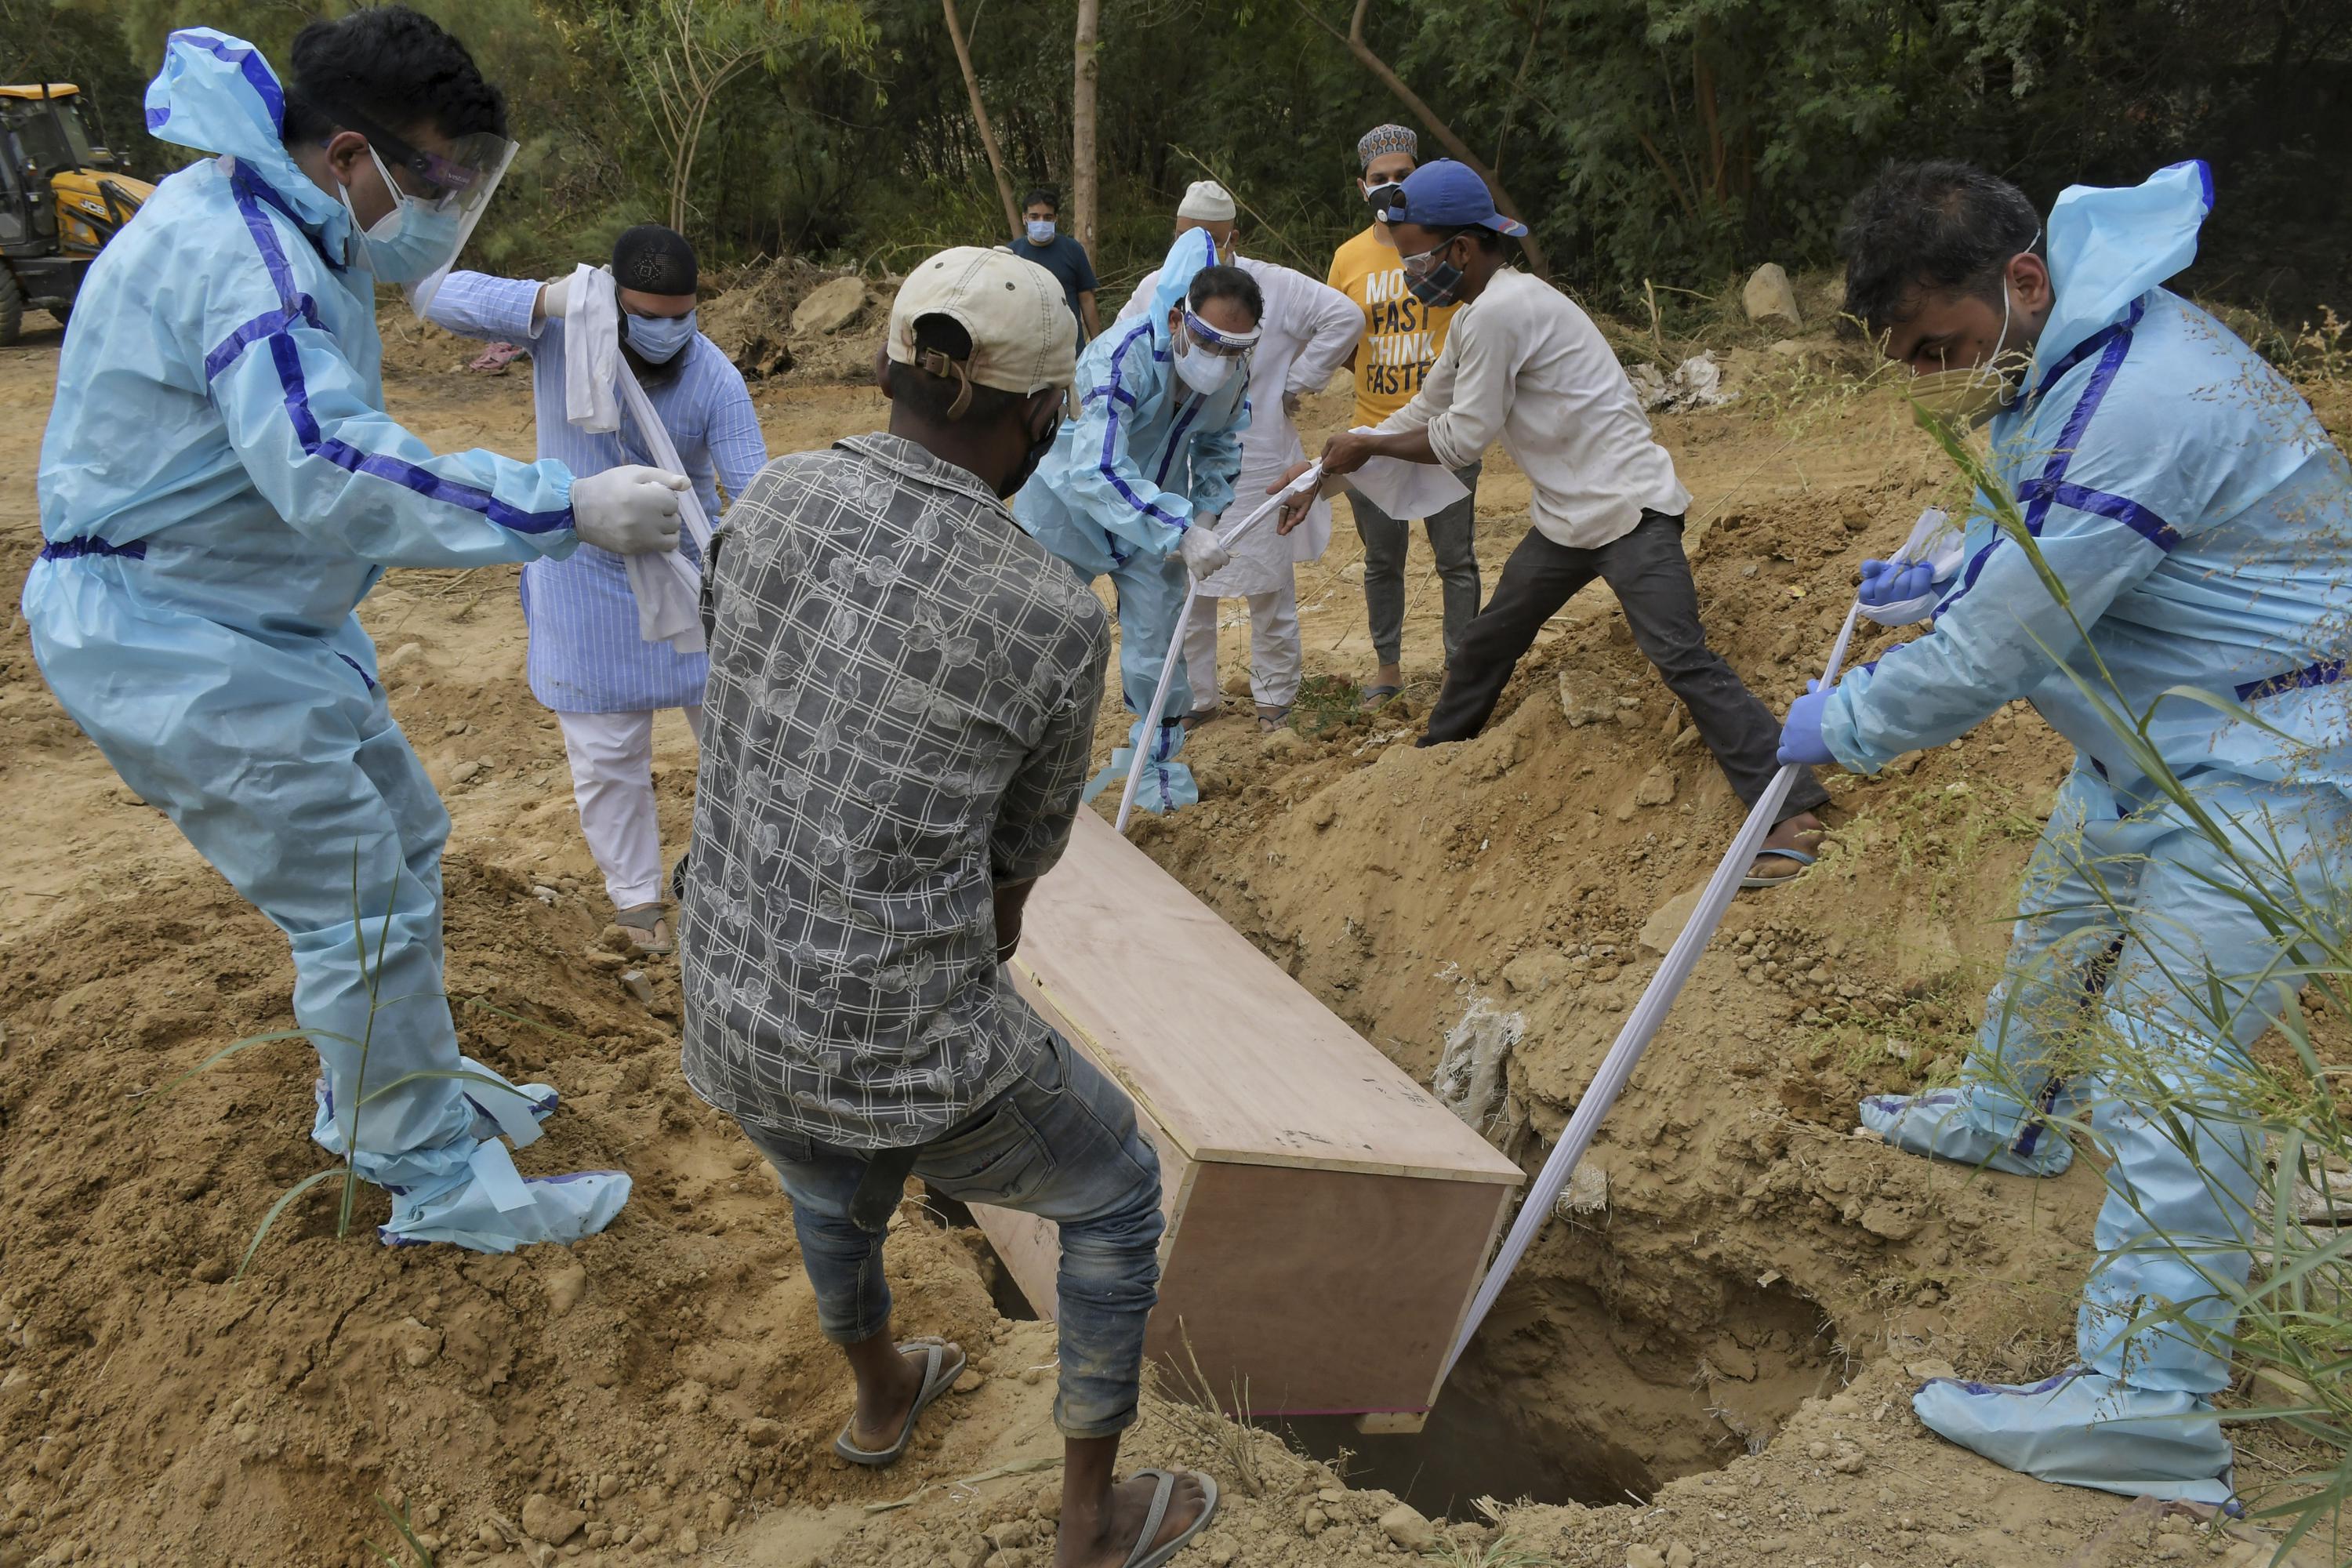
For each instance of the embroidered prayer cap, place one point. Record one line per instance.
(1381, 140)
(651, 259)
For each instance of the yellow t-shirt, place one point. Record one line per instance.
(1402, 336)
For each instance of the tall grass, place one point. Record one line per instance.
(2263, 1129)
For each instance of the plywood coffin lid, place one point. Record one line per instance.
(1237, 1060)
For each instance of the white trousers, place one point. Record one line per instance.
(613, 784)
(1275, 659)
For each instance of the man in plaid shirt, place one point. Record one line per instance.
(902, 698)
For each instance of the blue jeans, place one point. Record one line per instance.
(1061, 1143)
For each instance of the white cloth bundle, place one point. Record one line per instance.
(598, 385)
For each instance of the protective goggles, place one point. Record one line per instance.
(459, 181)
(1419, 264)
(1216, 343)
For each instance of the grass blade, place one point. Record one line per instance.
(296, 1191)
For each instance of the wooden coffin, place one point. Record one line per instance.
(1327, 1218)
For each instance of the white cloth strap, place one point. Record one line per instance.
(598, 384)
(1305, 482)
(1617, 1066)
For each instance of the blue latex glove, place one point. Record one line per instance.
(1801, 733)
(1890, 582)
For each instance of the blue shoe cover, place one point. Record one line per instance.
(1954, 1124)
(2082, 1428)
(1165, 786)
(516, 1115)
(486, 1206)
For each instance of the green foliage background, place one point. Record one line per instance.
(1679, 140)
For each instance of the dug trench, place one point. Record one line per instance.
(1719, 1322)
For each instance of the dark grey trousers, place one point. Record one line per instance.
(1451, 540)
(1651, 579)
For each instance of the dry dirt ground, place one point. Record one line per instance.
(1705, 1364)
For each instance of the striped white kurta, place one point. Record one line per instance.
(585, 654)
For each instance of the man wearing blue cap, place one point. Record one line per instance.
(1522, 364)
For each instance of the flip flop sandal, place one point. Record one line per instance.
(1200, 716)
(1267, 726)
(938, 1379)
(1799, 856)
(1143, 1556)
(648, 928)
(1374, 696)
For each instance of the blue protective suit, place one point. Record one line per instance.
(1145, 459)
(2201, 524)
(219, 488)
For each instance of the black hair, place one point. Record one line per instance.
(1940, 226)
(392, 66)
(651, 259)
(933, 396)
(1221, 282)
(1046, 194)
(1487, 239)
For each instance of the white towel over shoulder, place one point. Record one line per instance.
(597, 386)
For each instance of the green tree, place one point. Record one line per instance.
(682, 54)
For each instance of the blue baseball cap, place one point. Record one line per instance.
(1447, 194)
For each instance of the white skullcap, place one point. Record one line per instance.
(1208, 201)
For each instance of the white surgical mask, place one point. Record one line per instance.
(411, 242)
(1041, 231)
(1203, 371)
(659, 338)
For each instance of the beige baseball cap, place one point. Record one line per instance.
(1023, 338)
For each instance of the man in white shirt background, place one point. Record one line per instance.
(1522, 364)
(1307, 330)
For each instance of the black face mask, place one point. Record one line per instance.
(1439, 286)
(1037, 450)
(1380, 196)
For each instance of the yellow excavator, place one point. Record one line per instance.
(62, 198)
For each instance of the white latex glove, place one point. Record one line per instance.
(630, 510)
(554, 298)
(1200, 549)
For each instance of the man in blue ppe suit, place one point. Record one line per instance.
(1134, 485)
(2197, 519)
(220, 487)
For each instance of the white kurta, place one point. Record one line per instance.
(1308, 329)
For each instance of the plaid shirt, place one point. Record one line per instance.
(902, 707)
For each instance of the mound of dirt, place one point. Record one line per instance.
(1724, 1322)
(412, 347)
(753, 321)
